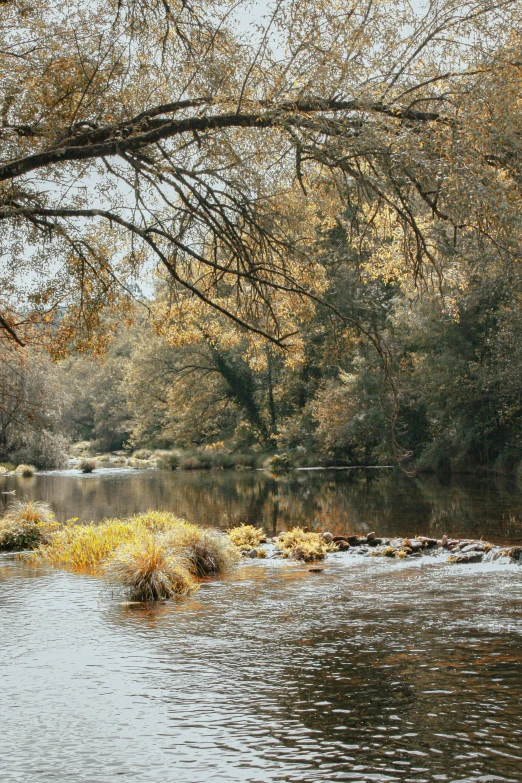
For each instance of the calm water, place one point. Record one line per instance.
(369, 671)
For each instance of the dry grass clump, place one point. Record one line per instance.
(303, 545)
(84, 547)
(25, 470)
(205, 551)
(91, 548)
(246, 537)
(148, 571)
(158, 521)
(87, 465)
(27, 526)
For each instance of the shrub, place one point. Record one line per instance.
(303, 545)
(27, 526)
(221, 459)
(87, 465)
(142, 454)
(172, 461)
(42, 448)
(25, 470)
(80, 449)
(190, 463)
(279, 463)
(246, 536)
(148, 571)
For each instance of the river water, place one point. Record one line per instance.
(372, 670)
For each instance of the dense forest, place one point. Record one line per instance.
(431, 378)
(295, 231)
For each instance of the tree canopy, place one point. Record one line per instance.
(213, 145)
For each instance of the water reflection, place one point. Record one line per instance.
(339, 501)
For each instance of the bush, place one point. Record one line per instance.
(242, 461)
(44, 449)
(195, 462)
(80, 449)
(87, 465)
(148, 571)
(279, 463)
(25, 470)
(246, 537)
(142, 454)
(303, 545)
(27, 526)
(172, 461)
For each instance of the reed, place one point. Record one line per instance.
(27, 526)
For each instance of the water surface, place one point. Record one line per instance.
(341, 501)
(369, 671)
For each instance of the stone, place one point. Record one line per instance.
(370, 536)
(328, 537)
(430, 542)
(477, 546)
(469, 557)
(342, 545)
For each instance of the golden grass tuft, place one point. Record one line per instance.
(87, 465)
(84, 547)
(206, 551)
(303, 545)
(27, 526)
(246, 537)
(148, 571)
(89, 548)
(26, 470)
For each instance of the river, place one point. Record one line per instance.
(369, 671)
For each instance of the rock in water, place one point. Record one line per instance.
(468, 557)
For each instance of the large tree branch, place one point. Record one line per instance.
(140, 133)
